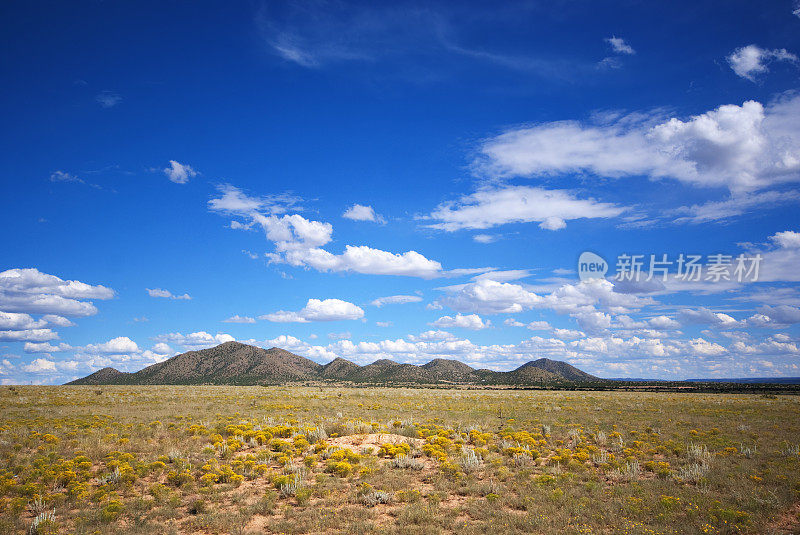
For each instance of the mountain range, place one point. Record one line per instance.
(234, 363)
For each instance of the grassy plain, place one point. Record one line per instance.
(203, 459)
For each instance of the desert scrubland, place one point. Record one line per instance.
(207, 459)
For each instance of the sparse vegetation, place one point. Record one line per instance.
(320, 459)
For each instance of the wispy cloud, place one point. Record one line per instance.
(107, 99)
(63, 176)
(620, 46)
(492, 207)
(314, 36)
(395, 300)
(733, 207)
(239, 319)
(166, 294)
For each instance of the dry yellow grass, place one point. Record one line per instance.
(319, 460)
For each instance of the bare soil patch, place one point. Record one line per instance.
(374, 440)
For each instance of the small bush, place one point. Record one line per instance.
(470, 460)
(393, 450)
(341, 468)
(303, 495)
(197, 507)
(698, 453)
(374, 497)
(179, 479)
(110, 511)
(692, 473)
(404, 461)
(288, 485)
(44, 524)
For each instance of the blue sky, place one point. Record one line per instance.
(399, 180)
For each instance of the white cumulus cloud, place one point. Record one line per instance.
(179, 173)
(704, 316)
(359, 212)
(471, 321)
(741, 148)
(299, 241)
(117, 346)
(15, 321)
(30, 291)
(751, 60)
(28, 335)
(366, 260)
(40, 366)
(45, 347)
(491, 207)
(318, 310)
(192, 341)
(161, 347)
(787, 239)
